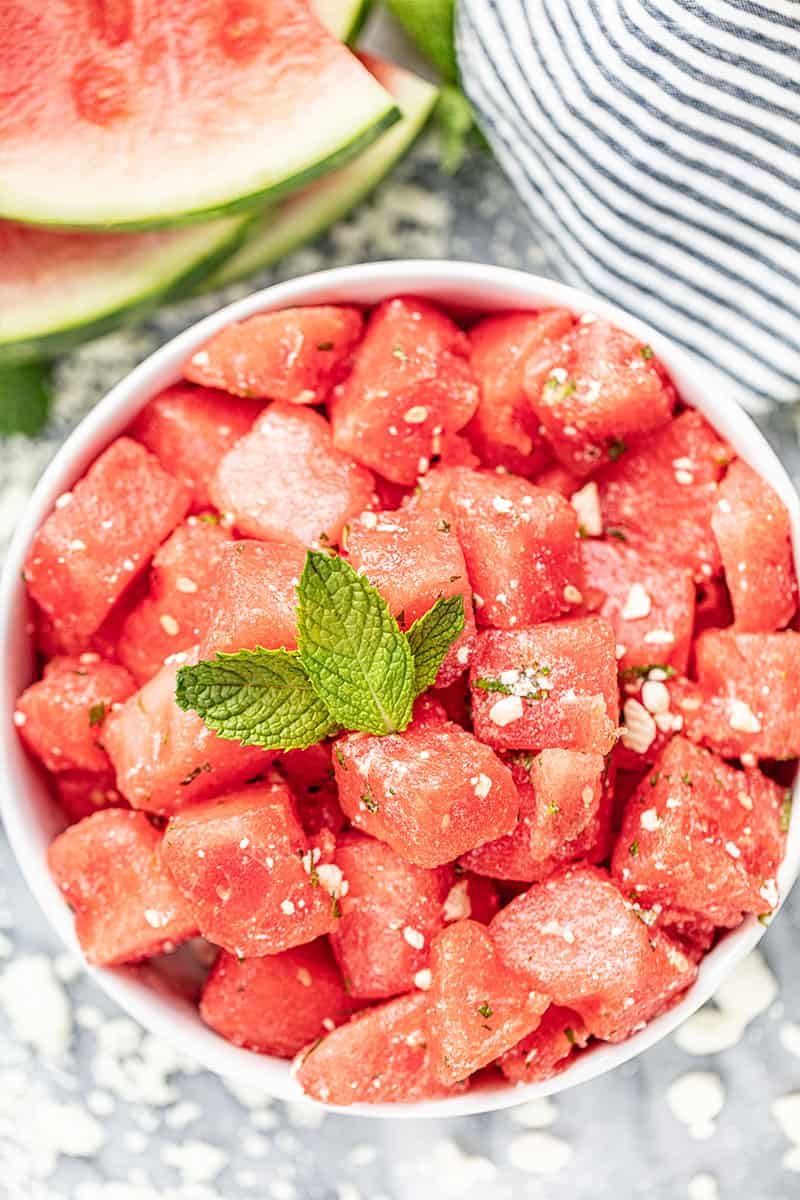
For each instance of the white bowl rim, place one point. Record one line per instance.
(482, 288)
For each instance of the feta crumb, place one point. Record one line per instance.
(506, 710)
(733, 850)
(572, 595)
(684, 477)
(481, 785)
(169, 624)
(369, 520)
(742, 717)
(620, 651)
(650, 820)
(457, 904)
(416, 414)
(501, 505)
(586, 502)
(413, 937)
(747, 759)
(19, 718)
(186, 585)
(659, 637)
(639, 730)
(637, 604)
(655, 696)
(331, 878)
(462, 655)
(77, 544)
(304, 976)
(155, 919)
(64, 499)
(287, 907)
(423, 979)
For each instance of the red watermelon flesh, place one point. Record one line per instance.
(99, 537)
(295, 355)
(712, 608)
(167, 759)
(286, 482)
(432, 793)
(414, 559)
(578, 940)
(504, 431)
(276, 1005)
(410, 385)
(381, 1055)
(701, 838)
(478, 1008)
(248, 872)
(556, 478)
(659, 495)
(649, 603)
(751, 525)
(175, 613)
(309, 774)
(594, 389)
(552, 685)
(254, 602)
(81, 793)
(62, 717)
(390, 913)
(548, 1049)
(189, 429)
(110, 870)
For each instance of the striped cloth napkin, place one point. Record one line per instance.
(657, 146)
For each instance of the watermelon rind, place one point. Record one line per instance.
(343, 18)
(304, 216)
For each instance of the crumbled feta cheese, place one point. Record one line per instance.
(506, 710)
(481, 785)
(413, 937)
(416, 415)
(733, 850)
(304, 976)
(457, 904)
(572, 595)
(369, 520)
(501, 505)
(637, 603)
(586, 502)
(186, 585)
(659, 637)
(650, 820)
(423, 979)
(169, 624)
(287, 907)
(742, 717)
(655, 696)
(639, 730)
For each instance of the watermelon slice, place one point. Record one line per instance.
(343, 18)
(312, 210)
(86, 145)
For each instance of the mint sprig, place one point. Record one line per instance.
(354, 668)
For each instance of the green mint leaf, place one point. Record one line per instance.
(431, 637)
(97, 713)
(430, 23)
(24, 397)
(256, 697)
(454, 120)
(358, 661)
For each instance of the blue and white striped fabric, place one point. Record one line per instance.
(657, 146)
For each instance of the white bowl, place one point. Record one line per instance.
(157, 995)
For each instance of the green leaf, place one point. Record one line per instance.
(256, 697)
(431, 637)
(24, 398)
(431, 25)
(351, 647)
(454, 119)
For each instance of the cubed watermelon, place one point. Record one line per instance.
(62, 717)
(520, 544)
(255, 598)
(110, 870)
(578, 940)
(553, 685)
(413, 558)
(295, 355)
(381, 1055)
(478, 1008)
(167, 759)
(504, 431)
(713, 608)
(548, 1050)
(751, 525)
(748, 696)
(309, 774)
(701, 837)
(279, 1004)
(250, 876)
(659, 495)
(390, 912)
(649, 603)
(189, 429)
(593, 389)
(99, 537)
(175, 613)
(432, 792)
(411, 384)
(285, 481)
(652, 712)
(81, 793)
(556, 478)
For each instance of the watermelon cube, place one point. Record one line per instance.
(285, 481)
(701, 838)
(254, 602)
(751, 525)
(174, 614)
(553, 685)
(649, 603)
(712, 609)
(520, 544)
(432, 792)
(548, 1050)
(556, 478)
(474, 896)
(189, 429)
(61, 718)
(578, 940)
(276, 1005)
(167, 759)
(478, 1008)
(250, 876)
(381, 1055)
(411, 384)
(504, 431)
(309, 774)
(748, 694)
(295, 355)
(81, 793)
(413, 558)
(593, 389)
(110, 870)
(652, 712)
(390, 912)
(99, 537)
(659, 496)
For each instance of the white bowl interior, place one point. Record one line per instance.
(161, 995)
